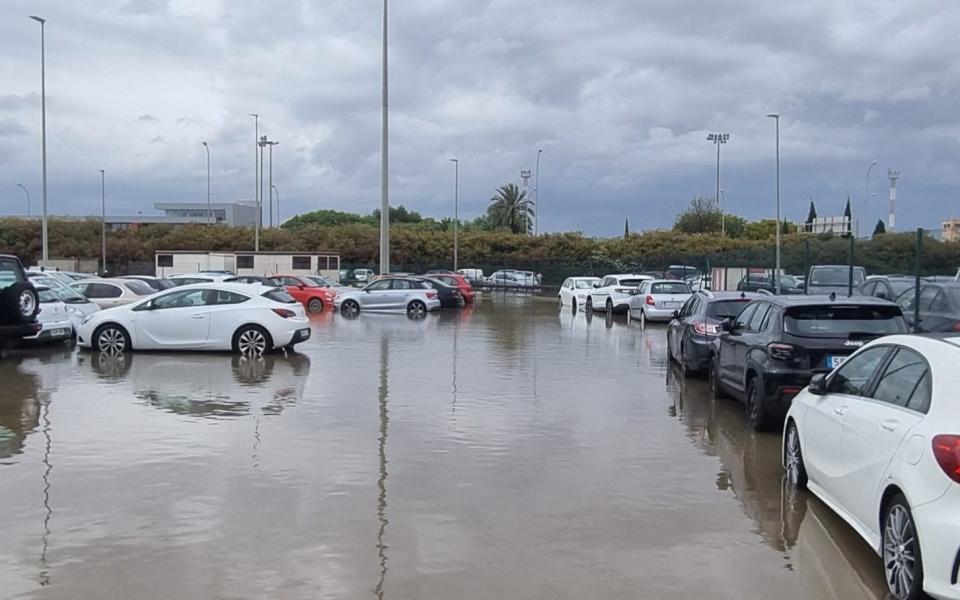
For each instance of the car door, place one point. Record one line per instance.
(874, 429)
(927, 320)
(376, 294)
(730, 348)
(600, 294)
(565, 291)
(752, 338)
(823, 421)
(679, 327)
(400, 293)
(938, 316)
(179, 319)
(228, 311)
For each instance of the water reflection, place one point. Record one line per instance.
(20, 406)
(382, 393)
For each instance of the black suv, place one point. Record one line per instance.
(769, 352)
(19, 303)
(692, 334)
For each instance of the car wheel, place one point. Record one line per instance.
(714, 376)
(315, 305)
(111, 339)
(350, 308)
(20, 302)
(417, 309)
(573, 306)
(589, 303)
(252, 340)
(609, 306)
(684, 371)
(643, 319)
(902, 562)
(560, 302)
(793, 458)
(757, 416)
(670, 356)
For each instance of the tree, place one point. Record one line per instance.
(812, 214)
(626, 228)
(701, 217)
(880, 228)
(511, 209)
(848, 215)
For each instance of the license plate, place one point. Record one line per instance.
(58, 332)
(303, 334)
(671, 304)
(835, 361)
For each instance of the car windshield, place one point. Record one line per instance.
(139, 288)
(48, 295)
(842, 321)
(585, 284)
(10, 272)
(670, 288)
(62, 291)
(726, 309)
(631, 282)
(835, 275)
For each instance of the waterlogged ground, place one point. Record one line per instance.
(505, 451)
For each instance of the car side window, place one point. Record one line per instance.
(920, 399)
(869, 288)
(401, 284)
(185, 298)
(103, 290)
(566, 284)
(756, 320)
(688, 307)
(744, 317)
(853, 377)
(220, 297)
(903, 375)
(608, 281)
(770, 316)
(940, 303)
(379, 285)
(927, 296)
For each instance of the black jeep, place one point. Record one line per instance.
(19, 303)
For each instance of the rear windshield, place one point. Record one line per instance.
(835, 276)
(67, 294)
(10, 272)
(726, 309)
(670, 288)
(631, 282)
(139, 288)
(279, 295)
(585, 284)
(842, 321)
(900, 286)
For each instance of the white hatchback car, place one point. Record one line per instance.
(659, 299)
(575, 290)
(878, 440)
(614, 293)
(55, 323)
(245, 318)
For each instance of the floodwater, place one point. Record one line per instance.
(505, 451)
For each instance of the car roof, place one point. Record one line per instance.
(631, 275)
(249, 289)
(713, 296)
(819, 299)
(653, 281)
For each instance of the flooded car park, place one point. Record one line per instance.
(507, 450)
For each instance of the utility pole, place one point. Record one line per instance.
(893, 175)
(27, 194)
(718, 139)
(263, 143)
(776, 117)
(209, 213)
(536, 193)
(43, 134)
(277, 192)
(384, 162)
(256, 181)
(103, 224)
(456, 210)
(271, 144)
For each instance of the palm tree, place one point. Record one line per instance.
(511, 209)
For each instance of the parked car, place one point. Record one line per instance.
(510, 279)
(450, 296)
(77, 305)
(658, 300)
(458, 281)
(157, 283)
(575, 290)
(877, 440)
(693, 333)
(834, 279)
(107, 293)
(207, 316)
(55, 323)
(19, 301)
(887, 287)
(939, 307)
(756, 282)
(363, 275)
(613, 293)
(191, 278)
(770, 351)
(314, 298)
(683, 272)
(474, 276)
(395, 293)
(52, 273)
(251, 279)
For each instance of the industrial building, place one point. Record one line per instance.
(173, 262)
(240, 214)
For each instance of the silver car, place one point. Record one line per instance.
(391, 293)
(658, 299)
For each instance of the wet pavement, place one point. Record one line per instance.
(505, 451)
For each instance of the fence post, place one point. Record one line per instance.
(806, 265)
(916, 275)
(853, 241)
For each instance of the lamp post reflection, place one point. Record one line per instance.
(382, 394)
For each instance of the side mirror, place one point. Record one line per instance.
(882, 295)
(676, 314)
(726, 325)
(818, 384)
(596, 284)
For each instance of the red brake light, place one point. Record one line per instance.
(956, 326)
(946, 449)
(431, 294)
(283, 312)
(780, 351)
(649, 301)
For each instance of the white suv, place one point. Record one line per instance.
(613, 293)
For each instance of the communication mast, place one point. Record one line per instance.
(892, 218)
(525, 175)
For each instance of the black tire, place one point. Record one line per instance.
(609, 306)
(900, 548)
(714, 377)
(416, 309)
(589, 307)
(684, 369)
(111, 339)
(757, 416)
(670, 356)
(573, 306)
(793, 458)
(315, 305)
(350, 308)
(252, 339)
(643, 319)
(20, 303)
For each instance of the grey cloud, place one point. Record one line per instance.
(147, 118)
(17, 101)
(10, 127)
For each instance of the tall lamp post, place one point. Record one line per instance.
(776, 117)
(536, 193)
(271, 144)
(209, 212)
(456, 210)
(718, 139)
(43, 133)
(384, 161)
(103, 222)
(256, 181)
(277, 192)
(866, 187)
(27, 194)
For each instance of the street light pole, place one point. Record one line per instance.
(718, 139)
(263, 143)
(536, 194)
(209, 212)
(22, 187)
(723, 204)
(271, 144)
(776, 117)
(277, 192)
(256, 181)
(384, 162)
(456, 210)
(103, 223)
(43, 133)
(866, 188)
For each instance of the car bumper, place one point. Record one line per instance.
(51, 331)
(19, 331)
(292, 332)
(433, 303)
(938, 524)
(699, 352)
(652, 313)
(781, 386)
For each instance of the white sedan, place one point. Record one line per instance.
(659, 299)
(878, 440)
(390, 293)
(245, 318)
(575, 290)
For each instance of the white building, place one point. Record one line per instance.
(173, 262)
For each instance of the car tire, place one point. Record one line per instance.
(20, 303)
(252, 340)
(714, 377)
(573, 305)
(559, 302)
(350, 308)
(609, 306)
(111, 339)
(416, 309)
(643, 319)
(793, 458)
(684, 370)
(589, 307)
(902, 561)
(757, 416)
(670, 356)
(315, 305)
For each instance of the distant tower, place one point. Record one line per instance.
(892, 219)
(525, 175)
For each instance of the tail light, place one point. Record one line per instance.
(702, 328)
(956, 326)
(781, 351)
(630, 291)
(431, 294)
(946, 449)
(283, 312)
(649, 301)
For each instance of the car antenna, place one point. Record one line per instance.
(833, 296)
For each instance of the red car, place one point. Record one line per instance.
(458, 281)
(313, 297)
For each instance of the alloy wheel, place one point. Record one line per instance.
(350, 308)
(900, 551)
(417, 309)
(28, 303)
(794, 460)
(315, 305)
(111, 341)
(252, 341)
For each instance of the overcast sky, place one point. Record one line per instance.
(619, 94)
